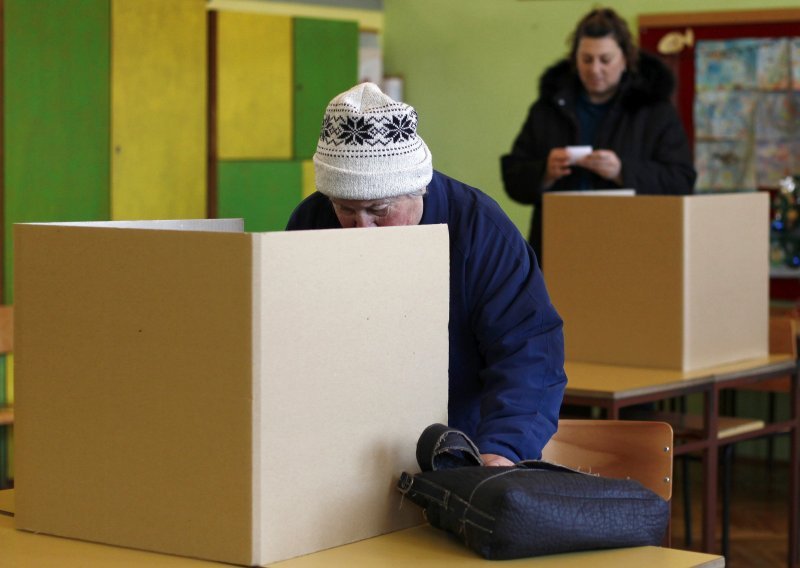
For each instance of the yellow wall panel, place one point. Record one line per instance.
(367, 19)
(254, 81)
(158, 109)
(309, 184)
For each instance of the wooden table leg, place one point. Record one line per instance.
(794, 472)
(710, 469)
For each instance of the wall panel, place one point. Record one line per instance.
(309, 180)
(56, 105)
(326, 64)
(159, 109)
(254, 82)
(264, 194)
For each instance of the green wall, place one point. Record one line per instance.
(471, 69)
(263, 193)
(57, 115)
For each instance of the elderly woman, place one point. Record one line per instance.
(613, 98)
(506, 372)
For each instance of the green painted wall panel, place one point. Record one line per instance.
(326, 64)
(56, 77)
(264, 194)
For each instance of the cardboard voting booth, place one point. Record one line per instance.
(659, 281)
(236, 397)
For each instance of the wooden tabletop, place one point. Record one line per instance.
(618, 382)
(421, 547)
(427, 547)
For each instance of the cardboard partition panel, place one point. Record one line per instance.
(659, 281)
(230, 396)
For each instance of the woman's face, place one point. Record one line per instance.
(600, 64)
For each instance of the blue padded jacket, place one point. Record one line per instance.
(506, 356)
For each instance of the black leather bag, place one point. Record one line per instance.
(531, 509)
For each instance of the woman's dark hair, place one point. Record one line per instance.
(604, 22)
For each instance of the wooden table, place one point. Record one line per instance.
(615, 387)
(420, 547)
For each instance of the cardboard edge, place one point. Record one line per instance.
(228, 225)
(256, 553)
(687, 336)
(691, 360)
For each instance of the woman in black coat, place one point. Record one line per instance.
(611, 97)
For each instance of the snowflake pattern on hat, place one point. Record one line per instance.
(382, 130)
(369, 148)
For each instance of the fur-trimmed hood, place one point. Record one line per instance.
(652, 82)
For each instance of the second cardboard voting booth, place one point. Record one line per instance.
(659, 281)
(211, 393)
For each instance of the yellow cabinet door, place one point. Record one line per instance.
(158, 123)
(254, 81)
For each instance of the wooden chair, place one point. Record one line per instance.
(6, 412)
(782, 340)
(621, 449)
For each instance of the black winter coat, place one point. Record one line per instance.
(642, 127)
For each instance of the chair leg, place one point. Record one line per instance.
(727, 465)
(771, 401)
(3, 457)
(687, 501)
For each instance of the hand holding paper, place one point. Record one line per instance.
(604, 163)
(576, 153)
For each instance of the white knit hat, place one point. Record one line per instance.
(368, 147)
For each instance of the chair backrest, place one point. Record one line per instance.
(6, 346)
(782, 341)
(622, 449)
(6, 329)
(783, 335)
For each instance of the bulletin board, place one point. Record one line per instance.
(738, 92)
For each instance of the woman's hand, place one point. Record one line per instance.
(557, 167)
(604, 163)
(495, 460)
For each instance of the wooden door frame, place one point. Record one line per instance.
(719, 18)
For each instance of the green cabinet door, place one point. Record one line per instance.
(57, 111)
(104, 112)
(326, 64)
(262, 193)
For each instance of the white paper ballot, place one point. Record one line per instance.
(577, 152)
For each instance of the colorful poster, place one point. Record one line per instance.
(724, 114)
(774, 161)
(776, 116)
(746, 113)
(773, 64)
(724, 166)
(729, 64)
(795, 57)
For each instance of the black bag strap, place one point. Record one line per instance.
(441, 447)
(424, 492)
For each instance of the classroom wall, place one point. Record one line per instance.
(141, 112)
(471, 69)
